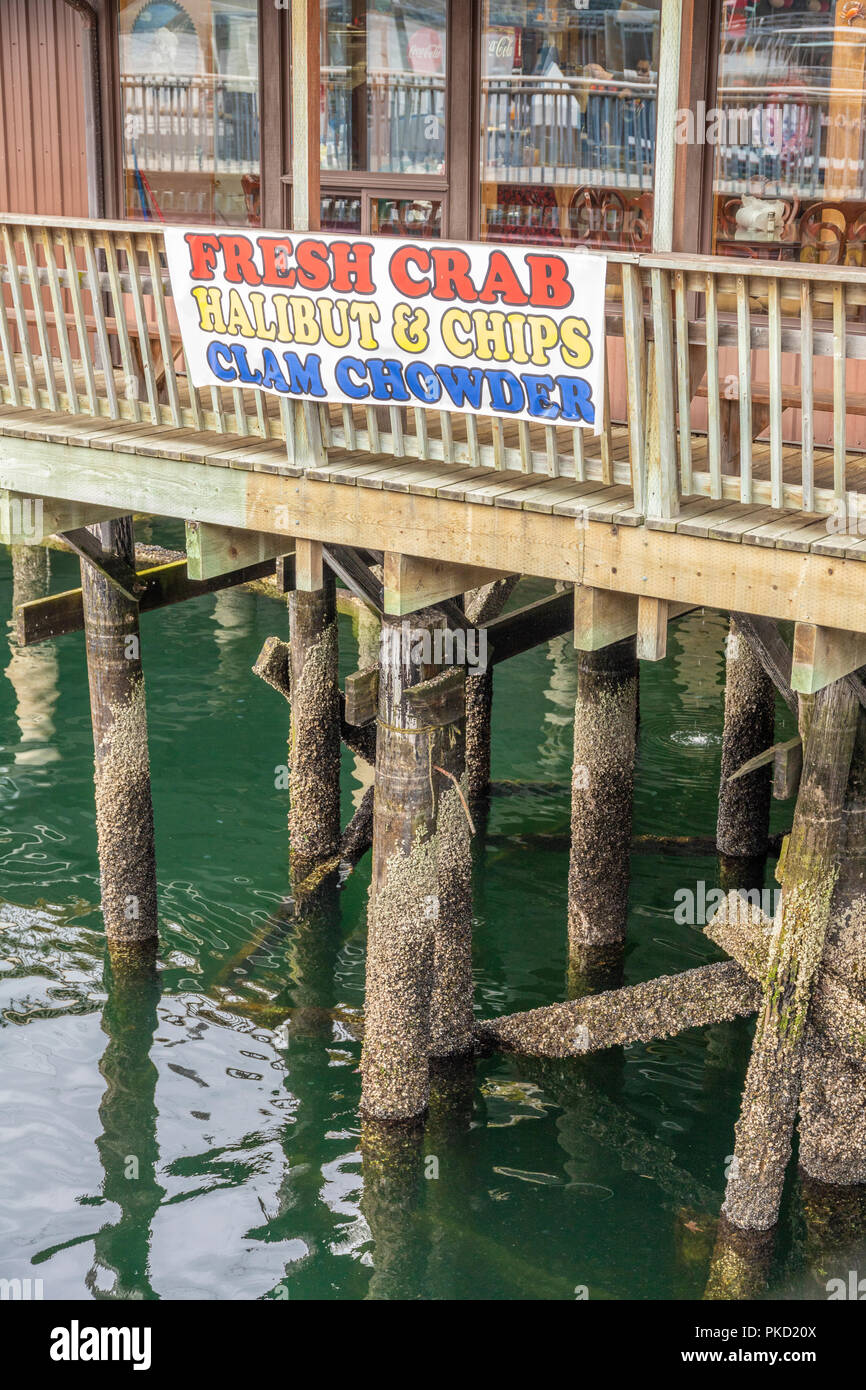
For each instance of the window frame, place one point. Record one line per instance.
(274, 112)
(455, 187)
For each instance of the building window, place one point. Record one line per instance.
(568, 118)
(189, 89)
(383, 86)
(788, 126)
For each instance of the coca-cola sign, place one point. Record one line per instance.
(426, 51)
(503, 50)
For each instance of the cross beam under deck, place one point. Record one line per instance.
(803, 586)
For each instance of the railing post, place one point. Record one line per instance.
(306, 449)
(635, 378)
(662, 499)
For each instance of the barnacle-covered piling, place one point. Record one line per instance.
(482, 605)
(419, 981)
(314, 740)
(602, 789)
(124, 809)
(635, 1013)
(744, 805)
(833, 1103)
(772, 1091)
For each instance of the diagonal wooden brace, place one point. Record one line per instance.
(637, 1013)
(744, 931)
(119, 574)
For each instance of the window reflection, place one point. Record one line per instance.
(383, 86)
(790, 167)
(341, 212)
(568, 121)
(189, 105)
(413, 217)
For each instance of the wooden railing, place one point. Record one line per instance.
(88, 329)
(730, 333)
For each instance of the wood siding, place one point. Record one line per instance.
(42, 155)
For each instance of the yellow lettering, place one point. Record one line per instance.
(210, 309)
(257, 299)
(335, 327)
(451, 320)
(543, 334)
(238, 319)
(576, 347)
(365, 315)
(490, 339)
(304, 319)
(409, 327)
(517, 324)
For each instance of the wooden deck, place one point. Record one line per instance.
(714, 552)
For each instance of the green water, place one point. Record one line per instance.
(196, 1134)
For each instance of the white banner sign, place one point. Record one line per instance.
(515, 331)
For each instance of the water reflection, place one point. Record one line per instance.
(127, 1146)
(555, 748)
(233, 613)
(32, 671)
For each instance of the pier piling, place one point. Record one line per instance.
(602, 789)
(772, 1091)
(832, 1121)
(418, 931)
(314, 739)
(482, 605)
(744, 805)
(124, 808)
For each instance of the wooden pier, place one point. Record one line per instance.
(413, 509)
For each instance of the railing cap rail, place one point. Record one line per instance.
(145, 225)
(645, 260)
(767, 270)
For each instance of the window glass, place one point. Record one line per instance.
(568, 115)
(414, 217)
(788, 127)
(189, 91)
(383, 86)
(341, 212)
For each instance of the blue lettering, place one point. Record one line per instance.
(219, 359)
(271, 374)
(538, 397)
(305, 378)
(357, 390)
(576, 399)
(423, 381)
(463, 384)
(512, 399)
(387, 379)
(248, 377)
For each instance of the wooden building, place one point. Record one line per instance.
(713, 152)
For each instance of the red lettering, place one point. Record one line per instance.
(314, 273)
(548, 282)
(276, 253)
(352, 262)
(501, 282)
(400, 277)
(238, 256)
(203, 253)
(451, 270)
